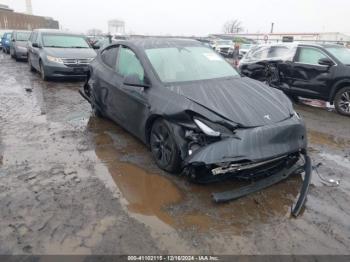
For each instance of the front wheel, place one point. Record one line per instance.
(164, 149)
(42, 72)
(342, 101)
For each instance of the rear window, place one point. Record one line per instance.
(22, 36)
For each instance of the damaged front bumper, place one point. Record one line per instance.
(266, 155)
(297, 168)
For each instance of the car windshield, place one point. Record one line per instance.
(8, 36)
(341, 53)
(188, 64)
(245, 46)
(224, 42)
(64, 41)
(22, 36)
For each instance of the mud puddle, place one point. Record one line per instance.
(174, 201)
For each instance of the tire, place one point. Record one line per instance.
(42, 72)
(342, 101)
(32, 69)
(164, 149)
(95, 111)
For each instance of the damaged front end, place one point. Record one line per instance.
(263, 155)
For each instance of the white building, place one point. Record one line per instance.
(116, 27)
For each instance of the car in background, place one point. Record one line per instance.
(315, 71)
(5, 42)
(58, 54)
(18, 45)
(223, 47)
(2, 32)
(244, 49)
(102, 42)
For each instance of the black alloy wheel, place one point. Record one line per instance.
(164, 148)
(342, 101)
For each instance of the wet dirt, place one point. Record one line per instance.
(71, 183)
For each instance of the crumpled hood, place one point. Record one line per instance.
(241, 100)
(74, 53)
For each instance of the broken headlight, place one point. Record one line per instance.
(206, 129)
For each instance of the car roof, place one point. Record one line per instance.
(21, 31)
(149, 43)
(55, 31)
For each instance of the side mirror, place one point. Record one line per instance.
(36, 45)
(326, 62)
(13, 40)
(134, 80)
(95, 47)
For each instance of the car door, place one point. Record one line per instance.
(131, 100)
(107, 82)
(309, 78)
(34, 51)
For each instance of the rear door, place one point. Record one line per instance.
(309, 78)
(34, 51)
(107, 82)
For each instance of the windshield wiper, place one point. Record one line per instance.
(54, 46)
(77, 47)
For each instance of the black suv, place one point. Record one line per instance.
(316, 71)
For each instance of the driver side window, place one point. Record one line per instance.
(129, 64)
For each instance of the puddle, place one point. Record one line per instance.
(149, 192)
(319, 138)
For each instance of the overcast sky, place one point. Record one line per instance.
(195, 17)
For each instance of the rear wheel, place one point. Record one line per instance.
(164, 148)
(31, 67)
(342, 101)
(96, 112)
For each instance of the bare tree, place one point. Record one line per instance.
(233, 26)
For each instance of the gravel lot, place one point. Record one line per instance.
(71, 183)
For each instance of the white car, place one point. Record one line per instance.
(222, 46)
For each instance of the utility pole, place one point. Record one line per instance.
(272, 26)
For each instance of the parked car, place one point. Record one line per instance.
(244, 49)
(58, 54)
(18, 45)
(2, 32)
(5, 42)
(316, 71)
(223, 47)
(195, 112)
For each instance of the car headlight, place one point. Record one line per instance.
(54, 59)
(206, 129)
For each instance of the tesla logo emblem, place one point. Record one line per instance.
(267, 117)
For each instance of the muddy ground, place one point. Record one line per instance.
(71, 183)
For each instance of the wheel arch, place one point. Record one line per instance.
(337, 86)
(148, 127)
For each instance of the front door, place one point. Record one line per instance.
(309, 78)
(132, 101)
